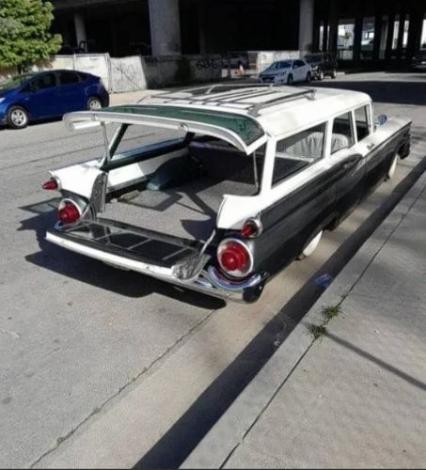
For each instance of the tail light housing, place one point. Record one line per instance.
(234, 258)
(252, 228)
(50, 185)
(69, 212)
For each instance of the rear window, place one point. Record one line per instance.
(67, 78)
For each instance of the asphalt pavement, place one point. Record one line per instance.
(99, 367)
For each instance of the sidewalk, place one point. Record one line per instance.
(353, 395)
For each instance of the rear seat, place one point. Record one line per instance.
(308, 145)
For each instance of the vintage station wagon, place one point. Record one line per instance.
(218, 188)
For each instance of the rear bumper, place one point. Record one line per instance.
(208, 282)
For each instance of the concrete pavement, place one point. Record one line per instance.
(348, 387)
(99, 365)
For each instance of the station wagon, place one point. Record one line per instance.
(218, 188)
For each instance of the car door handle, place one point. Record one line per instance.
(370, 146)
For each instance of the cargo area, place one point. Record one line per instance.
(188, 210)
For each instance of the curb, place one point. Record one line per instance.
(229, 432)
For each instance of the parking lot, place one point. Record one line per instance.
(99, 364)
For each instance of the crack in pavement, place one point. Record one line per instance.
(156, 362)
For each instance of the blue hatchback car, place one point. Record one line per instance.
(46, 95)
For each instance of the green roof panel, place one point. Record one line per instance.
(245, 127)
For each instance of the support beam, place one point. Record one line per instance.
(80, 31)
(164, 21)
(306, 25)
(334, 22)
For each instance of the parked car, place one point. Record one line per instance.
(323, 64)
(249, 180)
(287, 72)
(419, 60)
(45, 95)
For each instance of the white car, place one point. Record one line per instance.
(234, 184)
(287, 72)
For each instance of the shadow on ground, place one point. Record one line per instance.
(384, 91)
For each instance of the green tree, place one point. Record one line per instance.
(25, 36)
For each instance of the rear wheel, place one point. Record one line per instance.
(17, 117)
(311, 246)
(290, 80)
(308, 77)
(94, 103)
(320, 75)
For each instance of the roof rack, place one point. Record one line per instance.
(237, 99)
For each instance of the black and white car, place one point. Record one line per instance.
(287, 72)
(244, 181)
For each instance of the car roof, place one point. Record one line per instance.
(267, 104)
(246, 114)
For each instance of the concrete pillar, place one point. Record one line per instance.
(378, 20)
(357, 37)
(80, 30)
(334, 23)
(306, 25)
(164, 21)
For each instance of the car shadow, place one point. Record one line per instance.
(96, 273)
(386, 91)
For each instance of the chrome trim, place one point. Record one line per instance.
(233, 286)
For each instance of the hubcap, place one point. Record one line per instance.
(18, 117)
(94, 104)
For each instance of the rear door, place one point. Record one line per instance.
(70, 91)
(40, 96)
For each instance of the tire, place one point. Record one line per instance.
(392, 168)
(320, 75)
(290, 80)
(310, 247)
(334, 73)
(94, 103)
(17, 117)
(308, 77)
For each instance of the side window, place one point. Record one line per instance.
(299, 63)
(341, 135)
(361, 122)
(68, 78)
(46, 80)
(298, 151)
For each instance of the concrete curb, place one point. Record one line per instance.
(218, 445)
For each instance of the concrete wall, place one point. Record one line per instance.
(138, 73)
(173, 70)
(265, 58)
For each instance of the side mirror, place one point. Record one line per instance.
(381, 119)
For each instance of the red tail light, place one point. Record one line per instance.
(234, 258)
(50, 185)
(251, 228)
(68, 213)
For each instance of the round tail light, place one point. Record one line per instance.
(68, 213)
(234, 258)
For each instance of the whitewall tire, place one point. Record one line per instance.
(392, 168)
(311, 246)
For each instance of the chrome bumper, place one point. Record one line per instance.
(208, 282)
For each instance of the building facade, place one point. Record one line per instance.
(357, 31)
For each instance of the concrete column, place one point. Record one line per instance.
(164, 21)
(357, 38)
(80, 30)
(333, 21)
(306, 25)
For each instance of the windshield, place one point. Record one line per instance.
(279, 65)
(14, 82)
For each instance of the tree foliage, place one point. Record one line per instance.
(25, 36)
